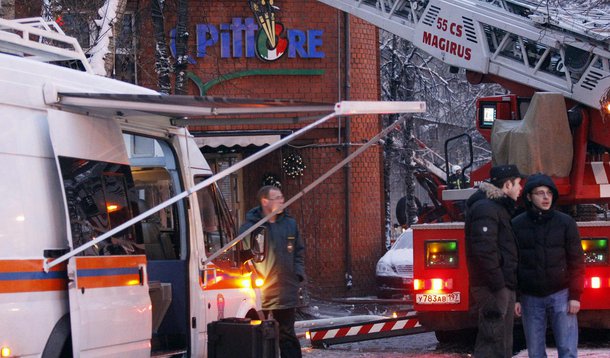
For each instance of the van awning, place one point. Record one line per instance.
(231, 141)
(178, 107)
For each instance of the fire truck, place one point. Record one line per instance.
(115, 240)
(527, 49)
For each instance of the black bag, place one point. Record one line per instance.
(239, 337)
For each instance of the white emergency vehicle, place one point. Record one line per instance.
(69, 177)
(114, 239)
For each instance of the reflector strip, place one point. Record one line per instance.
(108, 271)
(599, 172)
(26, 276)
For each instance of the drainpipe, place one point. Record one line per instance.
(348, 167)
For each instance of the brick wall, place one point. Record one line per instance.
(321, 212)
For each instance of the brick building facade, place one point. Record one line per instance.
(314, 69)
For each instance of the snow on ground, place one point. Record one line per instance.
(422, 345)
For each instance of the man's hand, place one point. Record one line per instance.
(518, 309)
(573, 307)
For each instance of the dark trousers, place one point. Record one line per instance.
(289, 343)
(496, 312)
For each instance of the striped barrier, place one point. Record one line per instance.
(392, 327)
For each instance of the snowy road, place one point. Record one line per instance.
(423, 345)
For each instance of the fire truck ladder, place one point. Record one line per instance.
(513, 39)
(427, 158)
(323, 337)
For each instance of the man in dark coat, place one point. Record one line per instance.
(283, 268)
(491, 249)
(550, 271)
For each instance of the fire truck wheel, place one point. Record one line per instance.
(464, 336)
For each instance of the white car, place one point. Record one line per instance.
(394, 274)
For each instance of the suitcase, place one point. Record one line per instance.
(242, 338)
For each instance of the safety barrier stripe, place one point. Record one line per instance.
(392, 324)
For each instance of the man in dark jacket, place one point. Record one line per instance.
(491, 249)
(283, 268)
(550, 271)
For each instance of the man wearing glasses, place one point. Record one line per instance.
(283, 268)
(550, 270)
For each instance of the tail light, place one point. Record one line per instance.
(597, 282)
(435, 284)
(441, 254)
(596, 250)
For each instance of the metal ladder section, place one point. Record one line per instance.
(512, 39)
(40, 40)
(430, 159)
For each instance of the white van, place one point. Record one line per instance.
(68, 176)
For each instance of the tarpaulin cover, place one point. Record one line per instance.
(541, 142)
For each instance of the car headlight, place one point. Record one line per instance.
(383, 268)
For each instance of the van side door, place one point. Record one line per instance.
(110, 307)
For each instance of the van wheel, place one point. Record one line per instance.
(59, 344)
(66, 350)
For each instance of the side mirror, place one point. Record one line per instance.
(258, 240)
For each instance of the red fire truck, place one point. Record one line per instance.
(527, 49)
(441, 288)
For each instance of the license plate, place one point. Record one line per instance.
(437, 298)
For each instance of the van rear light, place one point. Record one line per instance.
(596, 250)
(435, 284)
(441, 254)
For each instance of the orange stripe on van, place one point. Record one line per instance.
(108, 271)
(28, 276)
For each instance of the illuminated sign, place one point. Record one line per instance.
(242, 38)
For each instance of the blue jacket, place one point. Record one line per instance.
(284, 266)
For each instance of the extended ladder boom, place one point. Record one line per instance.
(508, 38)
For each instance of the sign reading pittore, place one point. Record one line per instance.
(242, 37)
